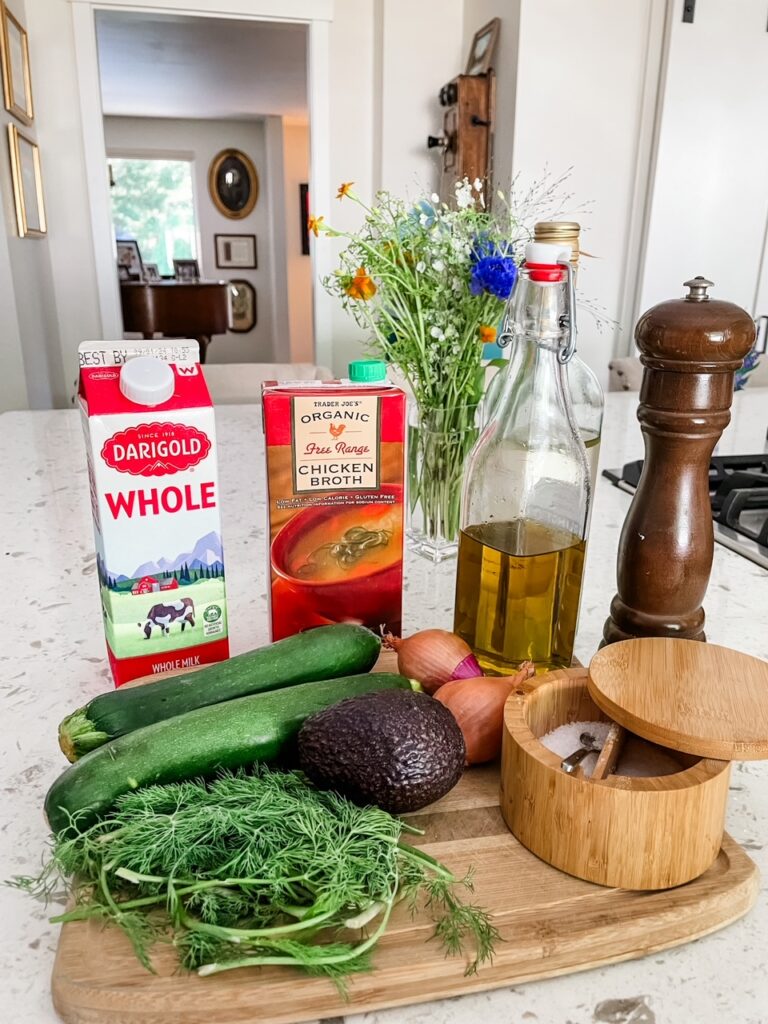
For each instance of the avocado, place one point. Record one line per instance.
(395, 748)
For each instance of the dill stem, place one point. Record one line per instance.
(316, 961)
(414, 853)
(237, 934)
(82, 913)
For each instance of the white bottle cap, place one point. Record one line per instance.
(546, 252)
(146, 380)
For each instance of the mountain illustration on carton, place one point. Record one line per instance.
(206, 554)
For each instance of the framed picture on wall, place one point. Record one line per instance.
(186, 270)
(27, 178)
(128, 256)
(483, 47)
(17, 82)
(233, 183)
(242, 306)
(304, 217)
(235, 252)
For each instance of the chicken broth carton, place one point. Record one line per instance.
(151, 449)
(335, 469)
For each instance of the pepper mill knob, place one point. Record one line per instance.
(697, 289)
(689, 348)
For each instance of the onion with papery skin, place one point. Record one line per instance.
(434, 657)
(478, 707)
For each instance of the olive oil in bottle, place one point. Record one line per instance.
(518, 593)
(528, 487)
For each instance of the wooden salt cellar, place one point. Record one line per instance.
(690, 349)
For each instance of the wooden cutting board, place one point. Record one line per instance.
(551, 923)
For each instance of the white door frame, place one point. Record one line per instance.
(316, 14)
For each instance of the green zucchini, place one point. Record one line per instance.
(323, 653)
(231, 735)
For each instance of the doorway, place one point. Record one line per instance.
(292, 323)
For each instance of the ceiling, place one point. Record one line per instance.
(172, 66)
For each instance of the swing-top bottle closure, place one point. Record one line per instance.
(546, 263)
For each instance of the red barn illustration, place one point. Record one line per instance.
(146, 585)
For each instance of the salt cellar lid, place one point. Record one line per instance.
(695, 697)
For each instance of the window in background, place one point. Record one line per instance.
(152, 203)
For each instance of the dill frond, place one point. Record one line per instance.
(254, 869)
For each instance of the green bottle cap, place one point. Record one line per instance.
(367, 371)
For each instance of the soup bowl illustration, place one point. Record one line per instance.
(340, 563)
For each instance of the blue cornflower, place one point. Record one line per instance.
(740, 378)
(493, 274)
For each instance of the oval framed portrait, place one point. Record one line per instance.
(233, 183)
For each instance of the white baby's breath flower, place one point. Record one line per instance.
(439, 266)
(437, 333)
(463, 194)
(421, 266)
(435, 197)
(477, 185)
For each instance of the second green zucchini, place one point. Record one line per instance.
(231, 735)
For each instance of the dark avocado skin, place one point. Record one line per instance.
(399, 750)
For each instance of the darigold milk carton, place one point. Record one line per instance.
(151, 447)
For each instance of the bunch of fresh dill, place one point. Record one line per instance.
(255, 869)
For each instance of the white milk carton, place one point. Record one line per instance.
(151, 446)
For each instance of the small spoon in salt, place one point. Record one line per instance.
(589, 745)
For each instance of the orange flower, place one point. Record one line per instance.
(361, 286)
(487, 334)
(344, 189)
(315, 225)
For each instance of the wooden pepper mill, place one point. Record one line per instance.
(690, 349)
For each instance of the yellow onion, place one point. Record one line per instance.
(478, 706)
(433, 657)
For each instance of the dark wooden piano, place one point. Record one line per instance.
(176, 309)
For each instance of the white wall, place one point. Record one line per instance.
(710, 201)
(388, 60)
(298, 267)
(38, 310)
(581, 101)
(201, 141)
(420, 49)
(476, 14)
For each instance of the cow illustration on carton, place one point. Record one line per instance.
(164, 615)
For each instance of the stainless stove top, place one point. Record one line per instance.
(738, 491)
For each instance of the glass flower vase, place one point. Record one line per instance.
(439, 442)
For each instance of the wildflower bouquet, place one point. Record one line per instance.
(429, 282)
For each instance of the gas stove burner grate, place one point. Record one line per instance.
(738, 492)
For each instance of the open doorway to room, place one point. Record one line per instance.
(206, 129)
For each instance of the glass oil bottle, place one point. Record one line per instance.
(528, 488)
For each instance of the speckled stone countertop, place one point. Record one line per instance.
(52, 659)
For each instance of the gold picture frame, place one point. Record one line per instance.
(17, 81)
(27, 175)
(233, 183)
